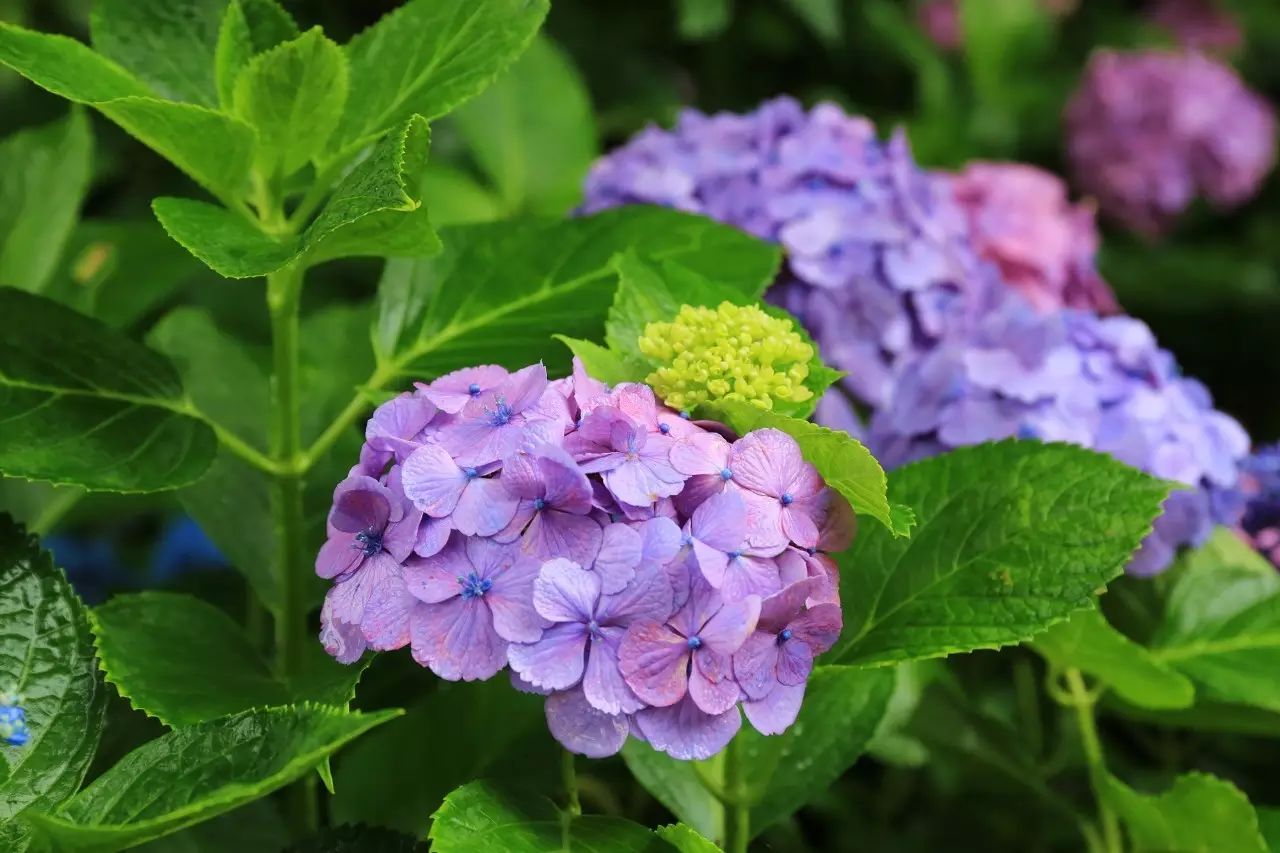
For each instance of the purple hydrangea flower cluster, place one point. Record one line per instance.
(1072, 376)
(641, 570)
(878, 259)
(1147, 132)
(1022, 221)
(1260, 483)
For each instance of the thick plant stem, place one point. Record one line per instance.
(1083, 702)
(737, 817)
(569, 777)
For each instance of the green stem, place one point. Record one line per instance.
(1083, 701)
(737, 819)
(569, 777)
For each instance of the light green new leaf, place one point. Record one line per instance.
(214, 149)
(46, 655)
(427, 57)
(686, 839)
(196, 773)
(1088, 643)
(843, 461)
(184, 661)
(44, 175)
(1222, 624)
(82, 404)
(168, 44)
(293, 96)
(373, 211)
(248, 28)
(1013, 538)
(677, 786)
(842, 710)
(532, 132)
(1199, 813)
(498, 288)
(479, 816)
(605, 364)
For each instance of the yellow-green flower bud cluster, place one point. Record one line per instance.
(733, 352)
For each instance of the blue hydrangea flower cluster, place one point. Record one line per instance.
(879, 264)
(645, 573)
(13, 721)
(1072, 376)
(1260, 482)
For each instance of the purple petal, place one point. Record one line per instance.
(523, 388)
(484, 508)
(603, 683)
(433, 535)
(454, 390)
(683, 731)
(721, 522)
(522, 475)
(350, 596)
(511, 600)
(654, 661)
(338, 555)
(700, 453)
(395, 423)
(555, 662)
(619, 555)
(387, 616)
(713, 563)
(433, 481)
(456, 639)
(729, 628)
(401, 537)
(755, 665)
(361, 503)
(819, 627)
(587, 391)
(566, 487)
(711, 683)
(648, 596)
(779, 609)
(767, 462)
(659, 541)
(554, 534)
(438, 577)
(775, 713)
(800, 525)
(746, 575)
(643, 480)
(795, 662)
(582, 729)
(342, 641)
(564, 592)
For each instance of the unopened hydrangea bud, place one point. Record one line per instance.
(732, 352)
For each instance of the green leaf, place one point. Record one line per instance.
(359, 839)
(44, 175)
(1088, 643)
(702, 19)
(46, 655)
(677, 786)
(457, 198)
(248, 28)
(255, 826)
(168, 44)
(822, 16)
(685, 839)
(214, 149)
(605, 364)
(427, 57)
(479, 816)
(498, 289)
(1269, 824)
(371, 213)
(1013, 538)
(532, 132)
(505, 736)
(1222, 624)
(842, 710)
(843, 461)
(335, 356)
(1200, 812)
(82, 404)
(199, 772)
(293, 96)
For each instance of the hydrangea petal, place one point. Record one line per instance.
(654, 661)
(775, 713)
(555, 661)
(582, 729)
(564, 592)
(685, 732)
(457, 641)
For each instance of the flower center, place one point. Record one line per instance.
(539, 503)
(695, 643)
(784, 636)
(471, 473)
(473, 389)
(686, 540)
(473, 586)
(368, 542)
(733, 555)
(726, 474)
(786, 499)
(501, 414)
(684, 416)
(664, 428)
(593, 628)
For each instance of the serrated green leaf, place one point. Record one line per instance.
(604, 364)
(46, 655)
(372, 212)
(199, 772)
(427, 57)
(498, 289)
(843, 461)
(293, 96)
(215, 150)
(248, 28)
(44, 175)
(1222, 624)
(1199, 813)
(532, 132)
(1013, 537)
(842, 710)
(359, 839)
(81, 404)
(1088, 643)
(685, 839)
(677, 786)
(168, 44)
(479, 816)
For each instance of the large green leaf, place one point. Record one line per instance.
(677, 786)
(532, 132)
(199, 772)
(498, 289)
(1013, 538)
(255, 826)
(1269, 824)
(374, 211)
(1222, 624)
(843, 461)
(1199, 813)
(184, 661)
(248, 28)
(214, 149)
(84, 405)
(46, 655)
(480, 816)
(44, 175)
(427, 57)
(1088, 643)
(293, 96)
(168, 44)
(685, 838)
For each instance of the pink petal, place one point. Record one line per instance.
(721, 522)
(350, 596)
(342, 641)
(457, 641)
(818, 627)
(387, 617)
(795, 662)
(766, 461)
(755, 665)
(654, 661)
(432, 480)
(637, 402)
(555, 662)
(684, 731)
(640, 481)
(782, 607)
(564, 592)
(775, 713)
(433, 535)
(511, 601)
(747, 575)
(619, 554)
(582, 729)
(484, 508)
(799, 525)
(700, 453)
(711, 683)
(729, 628)
(648, 596)
(437, 578)
(712, 562)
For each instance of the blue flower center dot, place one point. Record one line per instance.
(684, 415)
(726, 474)
(368, 542)
(811, 551)
(686, 540)
(593, 628)
(664, 428)
(473, 586)
(695, 642)
(733, 555)
(471, 473)
(501, 414)
(473, 389)
(784, 636)
(786, 499)
(539, 503)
